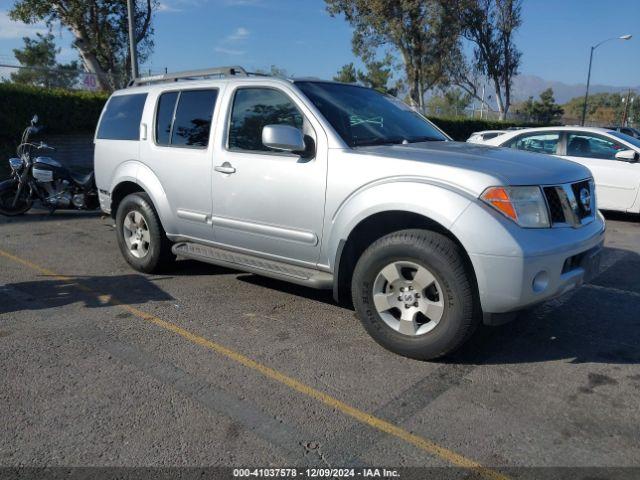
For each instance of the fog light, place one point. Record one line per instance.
(540, 282)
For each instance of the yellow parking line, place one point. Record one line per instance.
(353, 412)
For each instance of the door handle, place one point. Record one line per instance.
(225, 168)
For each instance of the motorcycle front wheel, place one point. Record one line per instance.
(8, 190)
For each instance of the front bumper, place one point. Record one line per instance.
(518, 283)
(537, 264)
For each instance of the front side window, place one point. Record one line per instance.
(627, 138)
(538, 143)
(592, 146)
(362, 116)
(183, 119)
(121, 118)
(253, 109)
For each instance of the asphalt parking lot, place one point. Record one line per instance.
(205, 366)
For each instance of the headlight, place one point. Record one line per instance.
(524, 205)
(15, 163)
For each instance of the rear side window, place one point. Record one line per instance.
(253, 108)
(183, 119)
(121, 119)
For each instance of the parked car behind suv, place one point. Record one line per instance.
(337, 186)
(612, 157)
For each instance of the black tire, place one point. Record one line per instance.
(158, 257)
(443, 258)
(8, 189)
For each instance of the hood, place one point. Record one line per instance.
(506, 165)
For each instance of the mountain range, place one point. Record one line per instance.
(525, 86)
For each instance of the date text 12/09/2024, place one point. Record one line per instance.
(315, 472)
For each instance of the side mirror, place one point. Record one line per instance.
(34, 120)
(630, 156)
(283, 137)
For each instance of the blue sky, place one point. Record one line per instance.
(301, 37)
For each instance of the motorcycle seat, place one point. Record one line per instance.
(83, 180)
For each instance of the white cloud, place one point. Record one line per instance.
(240, 34)
(229, 44)
(165, 7)
(229, 51)
(11, 29)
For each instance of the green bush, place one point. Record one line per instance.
(461, 128)
(60, 111)
(63, 111)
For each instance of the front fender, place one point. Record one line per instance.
(440, 203)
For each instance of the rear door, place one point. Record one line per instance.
(179, 152)
(617, 181)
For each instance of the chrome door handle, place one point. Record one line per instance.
(225, 168)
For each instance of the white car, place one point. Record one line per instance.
(612, 157)
(481, 137)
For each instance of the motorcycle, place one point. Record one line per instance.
(45, 179)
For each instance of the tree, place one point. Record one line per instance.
(424, 32)
(490, 26)
(544, 111)
(274, 71)
(378, 75)
(346, 74)
(38, 57)
(100, 32)
(451, 103)
(603, 108)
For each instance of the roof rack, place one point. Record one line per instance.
(190, 75)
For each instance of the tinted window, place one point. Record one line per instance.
(192, 124)
(627, 138)
(590, 146)
(253, 108)
(362, 116)
(164, 117)
(121, 119)
(537, 142)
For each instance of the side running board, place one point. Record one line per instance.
(250, 263)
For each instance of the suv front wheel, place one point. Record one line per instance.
(141, 238)
(413, 294)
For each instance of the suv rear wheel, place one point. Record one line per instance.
(413, 294)
(141, 238)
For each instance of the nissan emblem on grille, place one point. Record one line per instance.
(585, 199)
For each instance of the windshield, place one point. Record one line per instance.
(363, 116)
(627, 138)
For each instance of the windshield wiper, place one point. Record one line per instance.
(365, 142)
(424, 138)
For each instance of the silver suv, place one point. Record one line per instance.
(336, 186)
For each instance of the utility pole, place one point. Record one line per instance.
(626, 109)
(586, 94)
(132, 39)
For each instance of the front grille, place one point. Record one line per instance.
(556, 214)
(569, 204)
